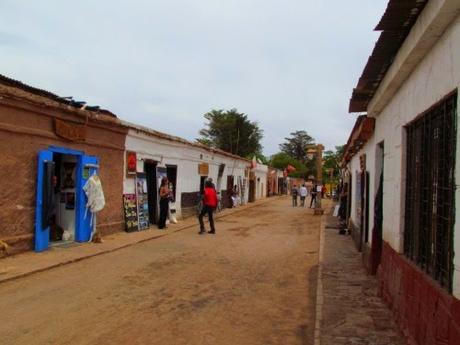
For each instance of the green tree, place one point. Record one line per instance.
(231, 131)
(331, 160)
(297, 145)
(281, 160)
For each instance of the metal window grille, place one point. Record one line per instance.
(430, 189)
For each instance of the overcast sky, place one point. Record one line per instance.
(289, 65)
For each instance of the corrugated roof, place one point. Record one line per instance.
(395, 24)
(4, 80)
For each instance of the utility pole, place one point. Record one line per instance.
(319, 178)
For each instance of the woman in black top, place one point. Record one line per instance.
(164, 202)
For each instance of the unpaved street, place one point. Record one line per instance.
(252, 283)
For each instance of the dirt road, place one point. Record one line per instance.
(252, 283)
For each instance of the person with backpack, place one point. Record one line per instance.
(294, 194)
(209, 205)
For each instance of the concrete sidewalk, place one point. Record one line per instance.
(349, 308)
(22, 265)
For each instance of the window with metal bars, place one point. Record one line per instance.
(430, 191)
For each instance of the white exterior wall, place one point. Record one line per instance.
(186, 158)
(261, 172)
(437, 75)
(354, 167)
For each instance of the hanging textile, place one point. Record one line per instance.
(96, 199)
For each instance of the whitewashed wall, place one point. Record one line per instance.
(261, 180)
(186, 158)
(437, 75)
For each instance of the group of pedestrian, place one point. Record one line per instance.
(303, 192)
(209, 200)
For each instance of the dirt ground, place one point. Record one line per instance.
(252, 283)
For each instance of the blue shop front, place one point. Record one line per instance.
(61, 216)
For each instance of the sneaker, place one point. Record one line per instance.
(202, 232)
(212, 232)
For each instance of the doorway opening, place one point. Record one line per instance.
(60, 215)
(62, 209)
(377, 233)
(150, 168)
(202, 182)
(171, 173)
(366, 206)
(230, 185)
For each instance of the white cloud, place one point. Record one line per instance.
(290, 65)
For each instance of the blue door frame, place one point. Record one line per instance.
(86, 166)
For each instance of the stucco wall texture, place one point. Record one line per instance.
(426, 312)
(26, 128)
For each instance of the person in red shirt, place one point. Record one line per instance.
(209, 205)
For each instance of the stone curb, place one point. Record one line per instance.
(153, 237)
(319, 284)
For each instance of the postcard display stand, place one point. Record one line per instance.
(130, 208)
(142, 201)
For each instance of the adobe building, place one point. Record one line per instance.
(50, 147)
(404, 177)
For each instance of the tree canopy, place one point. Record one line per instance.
(231, 131)
(297, 145)
(281, 160)
(331, 160)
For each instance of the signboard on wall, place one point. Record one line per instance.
(69, 131)
(130, 212)
(131, 163)
(203, 169)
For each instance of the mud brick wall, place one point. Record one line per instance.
(25, 129)
(428, 314)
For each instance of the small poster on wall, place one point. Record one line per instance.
(131, 163)
(70, 201)
(142, 201)
(130, 210)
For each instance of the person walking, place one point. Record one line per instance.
(313, 195)
(209, 205)
(165, 195)
(323, 191)
(294, 193)
(303, 194)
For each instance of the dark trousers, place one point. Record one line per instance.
(164, 205)
(313, 199)
(206, 210)
(294, 201)
(302, 201)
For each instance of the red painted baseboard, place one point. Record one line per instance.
(426, 312)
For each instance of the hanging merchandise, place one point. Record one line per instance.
(142, 201)
(172, 206)
(96, 200)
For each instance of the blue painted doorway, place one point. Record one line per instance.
(54, 165)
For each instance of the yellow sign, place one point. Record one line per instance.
(203, 169)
